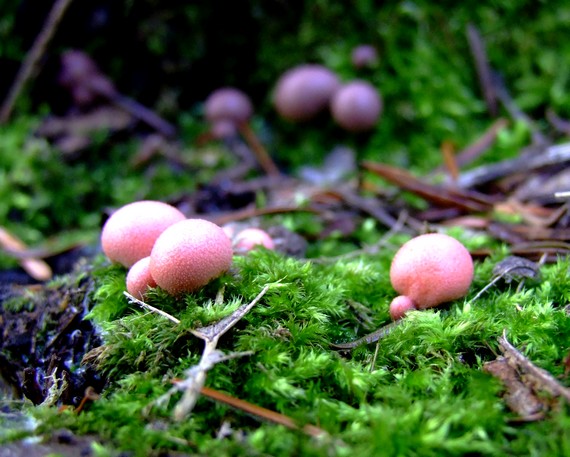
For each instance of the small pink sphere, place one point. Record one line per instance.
(139, 278)
(189, 254)
(432, 269)
(356, 106)
(400, 306)
(229, 104)
(304, 91)
(249, 238)
(130, 232)
(364, 55)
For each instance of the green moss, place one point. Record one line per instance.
(420, 392)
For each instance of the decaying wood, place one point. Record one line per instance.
(518, 396)
(539, 379)
(525, 383)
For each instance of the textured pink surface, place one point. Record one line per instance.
(139, 278)
(249, 238)
(432, 269)
(400, 306)
(189, 254)
(130, 232)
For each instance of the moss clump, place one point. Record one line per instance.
(420, 392)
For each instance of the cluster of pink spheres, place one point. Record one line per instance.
(161, 247)
(300, 94)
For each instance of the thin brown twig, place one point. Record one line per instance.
(482, 67)
(450, 159)
(503, 95)
(262, 412)
(35, 267)
(558, 154)
(248, 213)
(474, 150)
(32, 58)
(263, 158)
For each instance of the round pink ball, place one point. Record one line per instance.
(130, 232)
(400, 306)
(432, 269)
(364, 55)
(229, 104)
(356, 106)
(139, 278)
(249, 238)
(304, 91)
(189, 254)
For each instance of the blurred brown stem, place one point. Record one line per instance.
(259, 150)
(34, 54)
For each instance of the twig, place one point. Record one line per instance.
(195, 378)
(215, 331)
(143, 113)
(475, 149)
(561, 125)
(370, 338)
(516, 113)
(366, 205)
(34, 54)
(552, 155)
(494, 281)
(482, 67)
(263, 158)
(151, 308)
(450, 160)
(264, 413)
(36, 268)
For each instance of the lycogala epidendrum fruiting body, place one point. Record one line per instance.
(428, 270)
(129, 234)
(189, 254)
